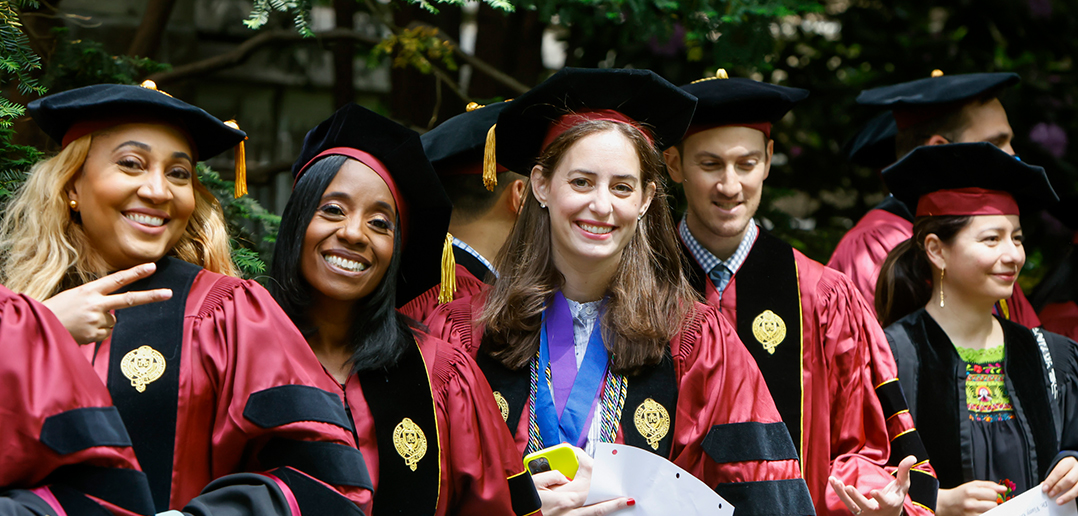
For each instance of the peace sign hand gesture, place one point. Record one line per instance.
(86, 310)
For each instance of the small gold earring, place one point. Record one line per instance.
(74, 204)
(942, 271)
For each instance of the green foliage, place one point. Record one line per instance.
(300, 9)
(77, 63)
(15, 162)
(501, 5)
(415, 47)
(715, 33)
(17, 60)
(253, 228)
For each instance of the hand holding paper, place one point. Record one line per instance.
(1034, 502)
(1062, 482)
(562, 497)
(658, 486)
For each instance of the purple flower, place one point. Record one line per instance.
(1050, 137)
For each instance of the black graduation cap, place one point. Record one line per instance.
(57, 113)
(935, 168)
(638, 94)
(874, 145)
(425, 216)
(920, 100)
(456, 145)
(725, 100)
(69, 115)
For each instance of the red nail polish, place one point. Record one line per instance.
(631, 502)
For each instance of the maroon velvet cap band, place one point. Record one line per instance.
(568, 121)
(376, 165)
(966, 201)
(85, 127)
(763, 127)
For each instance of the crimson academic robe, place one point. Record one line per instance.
(470, 274)
(725, 428)
(861, 252)
(63, 447)
(474, 466)
(851, 408)
(1061, 318)
(217, 381)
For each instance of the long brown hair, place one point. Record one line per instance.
(905, 282)
(649, 296)
(43, 248)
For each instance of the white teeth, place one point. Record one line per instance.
(598, 230)
(145, 219)
(348, 265)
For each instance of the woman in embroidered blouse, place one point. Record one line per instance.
(593, 299)
(1019, 423)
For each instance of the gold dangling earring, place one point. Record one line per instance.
(942, 271)
(74, 204)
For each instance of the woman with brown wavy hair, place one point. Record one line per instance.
(592, 333)
(209, 378)
(996, 403)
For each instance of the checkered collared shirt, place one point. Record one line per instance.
(708, 262)
(468, 249)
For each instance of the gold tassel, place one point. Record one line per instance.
(490, 162)
(1004, 310)
(449, 272)
(241, 164)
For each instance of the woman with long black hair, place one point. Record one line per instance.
(996, 403)
(361, 234)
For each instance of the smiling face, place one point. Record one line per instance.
(723, 171)
(135, 192)
(593, 197)
(983, 260)
(348, 245)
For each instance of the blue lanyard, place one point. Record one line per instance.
(576, 417)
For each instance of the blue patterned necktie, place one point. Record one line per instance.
(720, 276)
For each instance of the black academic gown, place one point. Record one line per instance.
(1041, 378)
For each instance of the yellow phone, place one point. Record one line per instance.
(560, 457)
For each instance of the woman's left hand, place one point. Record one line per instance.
(1062, 482)
(885, 502)
(562, 497)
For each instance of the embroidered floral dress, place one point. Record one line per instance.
(999, 445)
